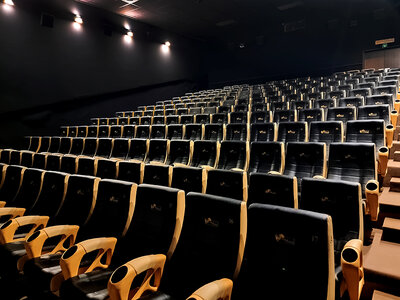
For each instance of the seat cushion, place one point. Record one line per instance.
(92, 285)
(9, 255)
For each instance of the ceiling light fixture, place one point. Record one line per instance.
(9, 2)
(129, 33)
(78, 19)
(168, 44)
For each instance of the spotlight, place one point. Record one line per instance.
(164, 48)
(9, 2)
(78, 19)
(129, 33)
(168, 44)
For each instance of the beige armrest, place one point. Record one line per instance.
(393, 117)
(372, 196)
(274, 173)
(8, 229)
(397, 105)
(180, 165)
(389, 132)
(206, 167)
(11, 212)
(2, 204)
(120, 284)
(216, 290)
(383, 160)
(156, 163)
(319, 177)
(237, 170)
(352, 268)
(71, 259)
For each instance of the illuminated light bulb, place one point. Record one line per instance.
(129, 33)
(164, 48)
(9, 2)
(78, 19)
(168, 44)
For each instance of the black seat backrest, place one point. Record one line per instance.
(156, 113)
(351, 101)
(121, 148)
(263, 132)
(90, 148)
(337, 94)
(204, 153)
(202, 118)
(187, 119)
(292, 132)
(293, 241)
(194, 132)
(233, 154)
(15, 157)
(342, 201)
(311, 114)
(77, 146)
(27, 159)
(65, 145)
(195, 110)
(54, 144)
(385, 90)
(238, 117)
(146, 120)
(212, 239)
(158, 132)
(51, 195)
(370, 112)
(273, 189)
(285, 116)
(227, 183)
(11, 183)
(105, 147)
(172, 120)
(379, 100)
(325, 103)
(278, 106)
(219, 118)
(44, 144)
(326, 132)
(188, 179)
(259, 107)
(341, 114)
(175, 132)
(138, 149)
(305, 160)
(53, 162)
(157, 150)
(266, 157)
(237, 132)
(116, 131)
(363, 92)
(156, 222)
(93, 131)
(134, 121)
(260, 117)
(107, 168)
(300, 105)
(130, 171)
(104, 131)
(115, 202)
(179, 152)
(72, 132)
(124, 121)
(39, 161)
(354, 162)
(214, 132)
(79, 201)
(182, 111)
(142, 132)
(366, 131)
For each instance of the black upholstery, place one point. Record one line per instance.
(104, 148)
(260, 117)
(379, 100)
(77, 146)
(300, 105)
(292, 241)
(194, 132)
(219, 118)
(65, 145)
(204, 153)
(130, 171)
(146, 120)
(93, 131)
(106, 168)
(158, 132)
(90, 148)
(157, 151)
(72, 132)
(27, 159)
(11, 183)
(15, 158)
(121, 148)
(138, 149)
(341, 114)
(53, 162)
(175, 131)
(237, 132)
(351, 101)
(39, 161)
(369, 112)
(179, 152)
(325, 103)
(285, 116)
(129, 131)
(263, 132)
(188, 179)
(311, 114)
(292, 132)
(266, 157)
(54, 144)
(364, 92)
(202, 118)
(86, 166)
(172, 119)
(142, 132)
(272, 189)
(116, 131)
(68, 164)
(44, 144)
(104, 131)
(157, 174)
(214, 132)
(366, 131)
(326, 132)
(233, 155)
(227, 183)
(238, 117)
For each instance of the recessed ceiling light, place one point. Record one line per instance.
(78, 19)
(168, 44)
(129, 33)
(9, 2)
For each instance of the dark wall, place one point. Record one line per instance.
(53, 76)
(321, 48)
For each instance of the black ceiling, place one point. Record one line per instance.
(237, 21)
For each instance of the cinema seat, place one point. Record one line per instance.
(134, 121)
(157, 174)
(202, 118)
(39, 161)
(143, 132)
(380, 100)
(124, 121)
(293, 241)
(300, 105)
(259, 107)
(65, 145)
(351, 102)
(63, 131)
(179, 152)
(266, 132)
(219, 118)
(138, 150)
(172, 120)
(292, 132)
(363, 92)
(53, 162)
(78, 144)
(73, 131)
(157, 151)
(234, 155)
(343, 114)
(104, 131)
(120, 148)
(146, 120)
(116, 131)
(165, 207)
(54, 144)
(342, 201)
(227, 183)
(214, 132)
(205, 154)
(131, 171)
(266, 157)
(189, 179)
(274, 189)
(69, 164)
(237, 132)
(212, 239)
(337, 95)
(15, 157)
(356, 162)
(104, 148)
(238, 117)
(311, 115)
(27, 159)
(175, 132)
(285, 116)
(325, 103)
(107, 168)
(261, 117)
(90, 148)
(158, 132)
(194, 132)
(12, 178)
(93, 131)
(326, 132)
(45, 143)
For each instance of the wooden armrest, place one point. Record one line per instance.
(274, 173)
(352, 268)
(237, 170)
(2, 204)
(389, 131)
(372, 196)
(180, 165)
(34, 244)
(71, 259)
(319, 177)
(8, 229)
(156, 163)
(206, 167)
(11, 212)
(216, 290)
(383, 160)
(120, 284)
